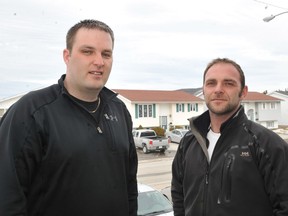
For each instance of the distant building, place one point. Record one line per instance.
(283, 95)
(260, 108)
(166, 109)
(154, 108)
(5, 103)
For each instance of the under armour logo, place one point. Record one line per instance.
(110, 117)
(244, 154)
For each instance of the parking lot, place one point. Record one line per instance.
(170, 153)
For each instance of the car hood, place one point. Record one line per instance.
(168, 214)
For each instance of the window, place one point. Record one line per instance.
(270, 124)
(140, 111)
(268, 106)
(179, 107)
(144, 110)
(150, 110)
(193, 107)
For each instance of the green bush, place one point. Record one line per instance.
(140, 127)
(175, 127)
(159, 131)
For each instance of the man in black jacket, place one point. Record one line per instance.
(228, 165)
(68, 149)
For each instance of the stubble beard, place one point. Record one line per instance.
(222, 110)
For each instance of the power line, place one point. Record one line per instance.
(262, 2)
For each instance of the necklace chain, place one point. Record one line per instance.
(93, 111)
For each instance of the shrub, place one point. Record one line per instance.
(140, 127)
(159, 131)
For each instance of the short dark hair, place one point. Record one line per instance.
(88, 24)
(227, 61)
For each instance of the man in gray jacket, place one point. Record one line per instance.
(228, 165)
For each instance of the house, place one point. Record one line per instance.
(263, 109)
(259, 107)
(283, 95)
(149, 108)
(5, 103)
(154, 108)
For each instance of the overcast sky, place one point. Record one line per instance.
(161, 44)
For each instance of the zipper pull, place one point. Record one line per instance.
(99, 130)
(206, 179)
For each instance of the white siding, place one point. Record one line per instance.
(283, 119)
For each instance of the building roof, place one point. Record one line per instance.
(283, 92)
(251, 96)
(194, 91)
(157, 95)
(256, 96)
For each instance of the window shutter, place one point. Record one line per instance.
(136, 111)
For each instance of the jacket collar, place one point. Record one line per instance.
(201, 123)
(106, 94)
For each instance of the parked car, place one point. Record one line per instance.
(167, 193)
(148, 140)
(152, 202)
(176, 135)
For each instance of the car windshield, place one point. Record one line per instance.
(153, 203)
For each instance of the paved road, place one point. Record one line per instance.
(156, 155)
(154, 169)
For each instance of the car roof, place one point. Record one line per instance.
(144, 188)
(182, 129)
(143, 130)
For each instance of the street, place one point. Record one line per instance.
(154, 168)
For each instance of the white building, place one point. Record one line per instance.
(283, 95)
(153, 108)
(156, 108)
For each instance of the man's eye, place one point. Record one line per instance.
(229, 83)
(107, 55)
(210, 83)
(87, 52)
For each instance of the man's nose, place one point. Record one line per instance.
(219, 88)
(98, 60)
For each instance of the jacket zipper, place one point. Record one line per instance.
(99, 130)
(226, 182)
(206, 189)
(228, 179)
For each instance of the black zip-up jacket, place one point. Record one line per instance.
(57, 160)
(247, 174)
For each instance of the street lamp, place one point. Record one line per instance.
(269, 18)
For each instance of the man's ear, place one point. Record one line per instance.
(243, 92)
(66, 55)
